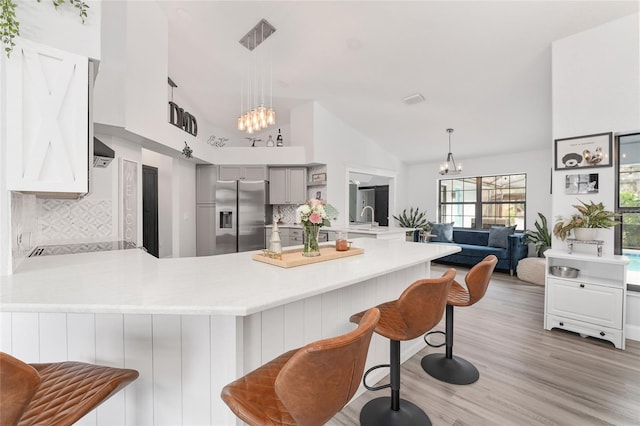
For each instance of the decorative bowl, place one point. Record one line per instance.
(564, 271)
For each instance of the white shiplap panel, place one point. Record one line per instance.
(196, 370)
(138, 352)
(167, 365)
(25, 337)
(5, 332)
(110, 352)
(252, 342)
(81, 337)
(53, 337)
(344, 309)
(273, 333)
(312, 318)
(226, 362)
(329, 314)
(293, 327)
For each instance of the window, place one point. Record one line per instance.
(628, 205)
(484, 201)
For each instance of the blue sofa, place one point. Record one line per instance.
(474, 245)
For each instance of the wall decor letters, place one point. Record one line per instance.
(182, 119)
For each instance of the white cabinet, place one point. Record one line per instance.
(287, 185)
(242, 172)
(593, 304)
(49, 136)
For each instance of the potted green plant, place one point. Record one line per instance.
(541, 237)
(415, 219)
(589, 217)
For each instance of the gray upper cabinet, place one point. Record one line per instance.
(287, 185)
(206, 177)
(234, 172)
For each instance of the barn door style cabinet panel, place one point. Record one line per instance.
(48, 119)
(287, 185)
(593, 303)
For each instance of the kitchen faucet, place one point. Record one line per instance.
(372, 213)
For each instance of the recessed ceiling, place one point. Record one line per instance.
(485, 67)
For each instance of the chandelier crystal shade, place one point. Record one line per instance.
(256, 115)
(449, 166)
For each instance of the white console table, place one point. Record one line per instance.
(593, 304)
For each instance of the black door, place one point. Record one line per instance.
(382, 204)
(150, 209)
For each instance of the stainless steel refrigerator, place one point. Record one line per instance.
(242, 211)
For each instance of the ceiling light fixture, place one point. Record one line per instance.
(449, 166)
(256, 116)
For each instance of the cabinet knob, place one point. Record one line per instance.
(561, 324)
(581, 285)
(602, 333)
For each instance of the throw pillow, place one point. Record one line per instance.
(443, 232)
(498, 236)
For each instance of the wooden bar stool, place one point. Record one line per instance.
(305, 386)
(446, 367)
(55, 394)
(419, 309)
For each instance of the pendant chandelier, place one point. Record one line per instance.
(449, 166)
(256, 116)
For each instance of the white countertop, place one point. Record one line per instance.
(134, 282)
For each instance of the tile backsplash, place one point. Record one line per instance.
(61, 221)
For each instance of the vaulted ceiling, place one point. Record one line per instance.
(483, 67)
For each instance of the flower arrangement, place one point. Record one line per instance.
(589, 215)
(314, 214)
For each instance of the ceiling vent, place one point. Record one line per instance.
(413, 99)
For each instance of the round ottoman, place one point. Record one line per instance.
(531, 270)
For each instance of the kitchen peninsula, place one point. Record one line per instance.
(191, 325)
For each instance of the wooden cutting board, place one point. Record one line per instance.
(294, 257)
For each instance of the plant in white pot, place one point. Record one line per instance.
(585, 223)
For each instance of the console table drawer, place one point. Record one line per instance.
(591, 303)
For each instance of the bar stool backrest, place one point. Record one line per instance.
(18, 383)
(478, 278)
(321, 378)
(422, 304)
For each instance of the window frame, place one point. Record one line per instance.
(479, 203)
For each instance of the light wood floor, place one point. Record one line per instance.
(528, 376)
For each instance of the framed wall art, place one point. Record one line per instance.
(581, 184)
(583, 152)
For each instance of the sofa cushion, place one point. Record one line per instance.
(498, 236)
(443, 232)
(471, 236)
(482, 251)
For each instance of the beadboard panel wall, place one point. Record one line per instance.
(185, 360)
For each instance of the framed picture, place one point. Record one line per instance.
(318, 177)
(581, 184)
(583, 152)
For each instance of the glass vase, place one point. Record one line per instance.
(311, 247)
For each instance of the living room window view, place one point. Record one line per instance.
(628, 182)
(484, 201)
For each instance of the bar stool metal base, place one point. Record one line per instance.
(378, 412)
(454, 370)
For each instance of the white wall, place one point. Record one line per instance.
(596, 89)
(423, 180)
(184, 208)
(342, 148)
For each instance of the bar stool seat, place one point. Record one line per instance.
(418, 309)
(447, 367)
(59, 393)
(305, 386)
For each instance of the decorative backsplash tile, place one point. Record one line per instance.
(61, 221)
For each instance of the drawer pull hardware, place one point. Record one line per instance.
(581, 285)
(561, 324)
(602, 333)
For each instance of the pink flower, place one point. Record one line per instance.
(315, 203)
(315, 218)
